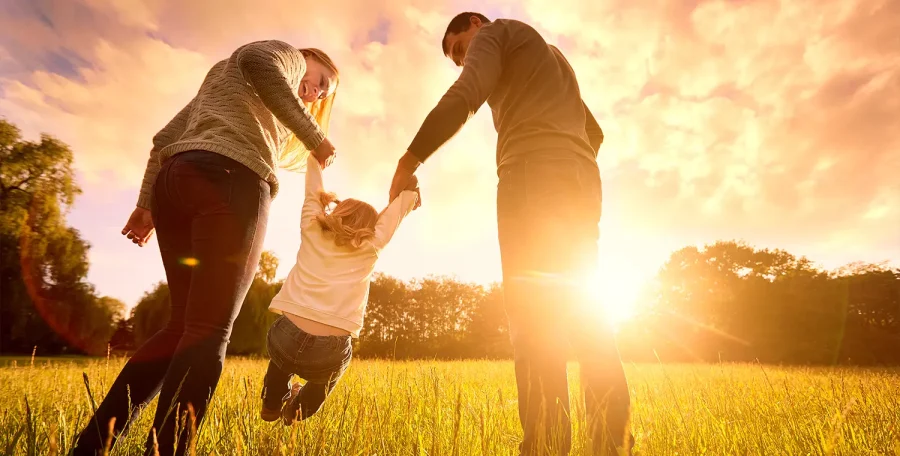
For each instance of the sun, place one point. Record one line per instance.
(614, 293)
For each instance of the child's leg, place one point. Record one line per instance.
(276, 387)
(311, 397)
(331, 353)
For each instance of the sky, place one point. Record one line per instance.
(772, 122)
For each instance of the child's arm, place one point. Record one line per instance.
(312, 201)
(389, 220)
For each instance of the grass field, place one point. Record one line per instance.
(469, 408)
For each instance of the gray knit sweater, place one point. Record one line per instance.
(245, 109)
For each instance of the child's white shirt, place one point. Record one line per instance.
(330, 284)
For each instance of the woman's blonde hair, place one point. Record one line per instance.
(351, 222)
(293, 154)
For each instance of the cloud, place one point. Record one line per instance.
(772, 121)
(775, 120)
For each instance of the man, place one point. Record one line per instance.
(548, 209)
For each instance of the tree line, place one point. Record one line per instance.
(731, 302)
(436, 317)
(726, 301)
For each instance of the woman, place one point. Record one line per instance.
(206, 191)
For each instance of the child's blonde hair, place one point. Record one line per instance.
(351, 222)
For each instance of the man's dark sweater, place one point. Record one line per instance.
(533, 94)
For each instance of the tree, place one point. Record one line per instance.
(123, 337)
(437, 317)
(488, 333)
(46, 301)
(871, 293)
(151, 313)
(252, 323)
(733, 302)
(268, 266)
(387, 318)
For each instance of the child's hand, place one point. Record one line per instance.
(413, 186)
(324, 154)
(413, 183)
(418, 199)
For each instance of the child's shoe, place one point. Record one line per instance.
(291, 410)
(269, 414)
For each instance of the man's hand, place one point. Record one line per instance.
(139, 227)
(406, 169)
(324, 154)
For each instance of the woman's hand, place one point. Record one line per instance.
(139, 227)
(324, 154)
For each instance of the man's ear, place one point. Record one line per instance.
(475, 21)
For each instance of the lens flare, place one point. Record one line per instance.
(189, 261)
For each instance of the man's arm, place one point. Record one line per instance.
(477, 80)
(594, 132)
(264, 65)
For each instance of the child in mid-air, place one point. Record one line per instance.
(324, 297)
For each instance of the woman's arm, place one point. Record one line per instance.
(266, 65)
(312, 200)
(169, 134)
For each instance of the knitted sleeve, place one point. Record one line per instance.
(168, 135)
(266, 66)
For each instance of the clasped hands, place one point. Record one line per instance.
(405, 178)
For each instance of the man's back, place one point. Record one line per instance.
(531, 89)
(536, 103)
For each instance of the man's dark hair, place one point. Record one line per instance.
(460, 23)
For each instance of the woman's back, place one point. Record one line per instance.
(246, 109)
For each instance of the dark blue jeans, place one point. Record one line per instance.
(210, 215)
(320, 360)
(548, 213)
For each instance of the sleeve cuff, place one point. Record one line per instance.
(409, 200)
(419, 153)
(314, 139)
(144, 201)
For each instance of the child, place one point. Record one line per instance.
(324, 297)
